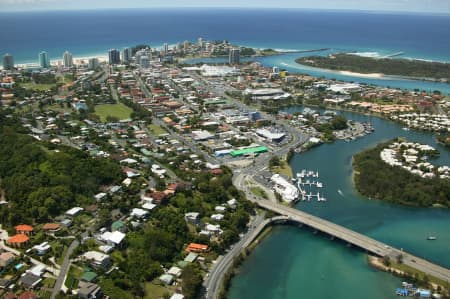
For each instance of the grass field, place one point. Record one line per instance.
(39, 87)
(153, 291)
(115, 110)
(156, 130)
(258, 192)
(284, 169)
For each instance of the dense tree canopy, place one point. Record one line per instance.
(41, 180)
(388, 66)
(376, 179)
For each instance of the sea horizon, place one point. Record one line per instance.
(87, 33)
(224, 8)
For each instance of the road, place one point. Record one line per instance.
(253, 173)
(64, 269)
(223, 263)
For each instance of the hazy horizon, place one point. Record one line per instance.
(400, 6)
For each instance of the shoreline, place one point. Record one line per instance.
(76, 60)
(379, 76)
(394, 269)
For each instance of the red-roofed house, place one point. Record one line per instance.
(195, 247)
(216, 171)
(51, 227)
(24, 229)
(9, 296)
(158, 197)
(18, 240)
(28, 295)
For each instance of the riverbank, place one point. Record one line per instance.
(379, 67)
(234, 269)
(409, 273)
(407, 184)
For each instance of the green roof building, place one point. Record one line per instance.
(89, 276)
(248, 151)
(118, 225)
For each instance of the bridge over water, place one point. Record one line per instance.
(366, 243)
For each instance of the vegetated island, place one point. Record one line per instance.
(416, 69)
(374, 178)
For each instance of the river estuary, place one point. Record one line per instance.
(296, 263)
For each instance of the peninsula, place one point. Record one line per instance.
(347, 62)
(397, 172)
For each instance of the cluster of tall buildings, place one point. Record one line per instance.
(142, 57)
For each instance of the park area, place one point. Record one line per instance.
(115, 111)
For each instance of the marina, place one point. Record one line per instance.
(308, 195)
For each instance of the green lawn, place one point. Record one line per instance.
(156, 130)
(284, 169)
(39, 87)
(153, 291)
(115, 110)
(258, 192)
(49, 282)
(73, 276)
(412, 271)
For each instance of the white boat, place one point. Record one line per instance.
(405, 129)
(431, 238)
(319, 185)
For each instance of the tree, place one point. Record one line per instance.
(339, 122)
(191, 281)
(274, 161)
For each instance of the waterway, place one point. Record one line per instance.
(287, 61)
(293, 262)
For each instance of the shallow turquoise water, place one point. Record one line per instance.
(295, 263)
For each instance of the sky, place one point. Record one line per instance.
(418, 6)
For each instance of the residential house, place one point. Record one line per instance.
(98, 259)
(24, 229)
(89, 291)
(6, 258)
(197, 248)
(29, 280)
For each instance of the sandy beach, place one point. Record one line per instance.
(372, 75)
(59, 62)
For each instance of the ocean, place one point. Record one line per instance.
(86, 33)
(290, 262)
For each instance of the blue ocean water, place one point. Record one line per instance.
(94, 32)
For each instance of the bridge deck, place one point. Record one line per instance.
(357, 239)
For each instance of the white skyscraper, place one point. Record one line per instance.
(67, 59)
(200, 42)
(166, 48)
(234, 57)
(127, 53)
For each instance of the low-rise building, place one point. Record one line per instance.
(98, 259)
(89, 291)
